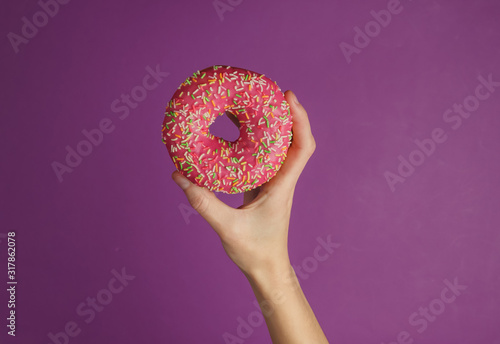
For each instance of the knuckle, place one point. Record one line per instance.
(199, 203)
(311, 146)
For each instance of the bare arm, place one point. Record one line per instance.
(255, 237)
(288, 315)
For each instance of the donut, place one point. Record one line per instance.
(209, 161)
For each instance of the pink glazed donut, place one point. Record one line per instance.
(212, 162)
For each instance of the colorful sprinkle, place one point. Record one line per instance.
(210, 161)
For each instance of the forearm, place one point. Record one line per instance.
(288, 314)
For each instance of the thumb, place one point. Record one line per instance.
(213, 210)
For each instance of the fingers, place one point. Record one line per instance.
(302, 147)
(302, 135)
(216, 212)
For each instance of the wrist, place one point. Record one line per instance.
(277, 270)
(275, 278)
(276, 289)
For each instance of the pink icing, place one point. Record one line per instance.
(212, 162)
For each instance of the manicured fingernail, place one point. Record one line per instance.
(182, 181)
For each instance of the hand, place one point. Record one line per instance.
(255, 235)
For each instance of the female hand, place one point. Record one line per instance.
(255, 235)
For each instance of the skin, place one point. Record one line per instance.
(255, 237)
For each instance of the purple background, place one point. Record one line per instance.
(119, 207)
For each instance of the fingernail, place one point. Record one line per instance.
(182, 181)
(296, 101)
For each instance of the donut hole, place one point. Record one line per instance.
(225, 128)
